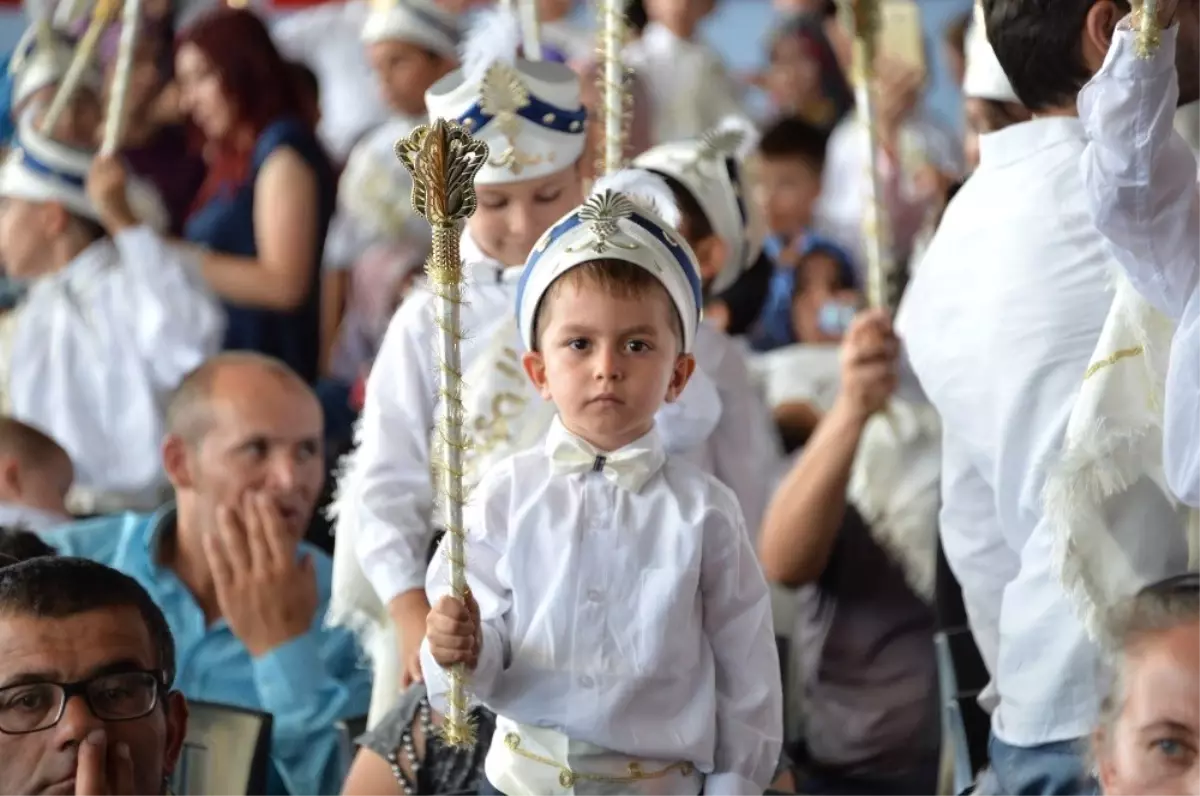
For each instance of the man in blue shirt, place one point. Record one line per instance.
(244, 595)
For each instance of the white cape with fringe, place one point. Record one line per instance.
(1113, 446)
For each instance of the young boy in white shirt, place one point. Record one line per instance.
(618, 622)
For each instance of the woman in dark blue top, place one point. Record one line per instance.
(265, 206)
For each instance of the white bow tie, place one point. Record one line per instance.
(629, 468)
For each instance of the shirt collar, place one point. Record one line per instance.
(1020, 141)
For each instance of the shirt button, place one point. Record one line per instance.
(594, 595)
(586, 681)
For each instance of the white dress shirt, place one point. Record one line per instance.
(93, 352)
(1142, 187)
(1000, 324)
(328, 38)
(622, 605)
(690, 88)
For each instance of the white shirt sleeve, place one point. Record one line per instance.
(1140, 174)
(740, 631)
(395, 496)
(975, 547)
(746, 452)
(487, 517)
(1141, 183)
(178, 323)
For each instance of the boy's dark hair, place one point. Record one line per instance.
(846, 278)
(18, 544)
(1038, 45)
(91, 229)
(608, 277)
(790, 138)
(695, 225)
(56, 588)
(635, 16)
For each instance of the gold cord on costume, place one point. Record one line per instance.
(615, 101)
(443, 159)
(1145, 21)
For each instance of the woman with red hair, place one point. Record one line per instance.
(264, 208)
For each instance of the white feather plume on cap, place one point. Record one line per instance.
(647, 190)
(630, 216)
(493, 37)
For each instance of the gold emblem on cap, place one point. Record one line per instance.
(503, 95)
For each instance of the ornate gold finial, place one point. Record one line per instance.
(601, 212)
(443, 160)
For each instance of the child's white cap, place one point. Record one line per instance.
(40, 169)
(529, 113)
(711, 169)
(984, 77)
(41, 59)
(418, 22)
(630, 216)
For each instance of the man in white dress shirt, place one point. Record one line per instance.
(1001, 322)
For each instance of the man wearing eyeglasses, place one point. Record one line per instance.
(244, 595)
(86, 666)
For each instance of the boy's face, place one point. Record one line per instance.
(819, 281)
(679, 16)
(608, 363)
(405, 72)
(24, 236)
(510, 218)
(788, 189)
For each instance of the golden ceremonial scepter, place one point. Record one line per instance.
(612, 79)
(881, 268)
(104, 12)
(114, 118)
(443, 159)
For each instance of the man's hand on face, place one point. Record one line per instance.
(103, 769)
(266, 594)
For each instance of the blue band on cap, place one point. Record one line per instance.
(38, 167)
(543, 114)
(573, 221)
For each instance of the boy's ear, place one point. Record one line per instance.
(535, 368)
(10, 475)
(55, 218)
(685, 366)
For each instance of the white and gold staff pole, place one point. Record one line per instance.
(614, 96)
(443, 159)
(114, 116)
(877, 235)
(1145, 21)
(104, 12)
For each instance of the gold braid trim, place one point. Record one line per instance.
(1112, 359)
